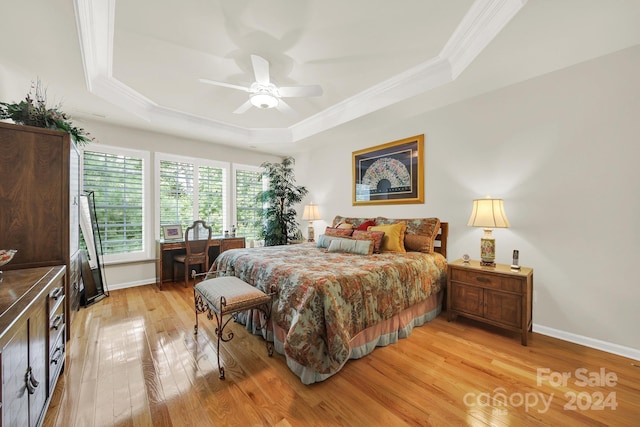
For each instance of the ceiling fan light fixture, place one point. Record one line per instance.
(263, 100)
(262, 93)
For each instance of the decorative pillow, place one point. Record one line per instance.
(417, 243)
(421, 232)
(338, 232)
(350, 220)
(360, 247)
(365, 225)
(345, 225)
(393, 240)
(324, 241)
(376, 236)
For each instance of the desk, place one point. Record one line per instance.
(166, 249)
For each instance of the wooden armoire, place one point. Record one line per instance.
(39, 204)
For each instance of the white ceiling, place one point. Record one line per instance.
(137, 62)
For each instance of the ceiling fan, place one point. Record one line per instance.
(264, 94)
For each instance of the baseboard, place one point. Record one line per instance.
(620, 350)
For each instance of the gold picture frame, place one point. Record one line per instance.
(391, 173)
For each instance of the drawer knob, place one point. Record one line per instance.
(56, 293)
(59, 351)
(57, 321)
(482, 279)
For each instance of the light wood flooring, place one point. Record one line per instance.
(133, 361)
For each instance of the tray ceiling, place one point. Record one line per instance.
(138, 63)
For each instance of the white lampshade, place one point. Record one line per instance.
(488, 213)
(311, 212)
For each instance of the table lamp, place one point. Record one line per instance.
(488, 213)
(311, 214)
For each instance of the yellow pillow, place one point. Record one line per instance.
(393, 240)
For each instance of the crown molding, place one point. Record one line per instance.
(95, 21)
(483, 21)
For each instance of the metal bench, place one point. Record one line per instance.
(224, 295)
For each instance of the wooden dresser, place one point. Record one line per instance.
(32, 341)
(496, 295)
(40, 203)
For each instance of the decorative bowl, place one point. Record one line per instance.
(6, 255)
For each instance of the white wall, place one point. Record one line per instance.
(562, 151)
(142, 273)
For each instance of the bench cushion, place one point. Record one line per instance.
(239, 295)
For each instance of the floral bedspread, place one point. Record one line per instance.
(326, 298)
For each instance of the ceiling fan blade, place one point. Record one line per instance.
(260, 69)
(243, 108)
(300, 91)
(229, 85)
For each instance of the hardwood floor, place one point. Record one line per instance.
(133, 361)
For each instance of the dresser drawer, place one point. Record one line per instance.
(56, 296)
(56, 325)
(488, 281)
(56, 360)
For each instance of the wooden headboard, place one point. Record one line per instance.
(442, 239)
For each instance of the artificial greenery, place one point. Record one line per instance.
(279, 218)
(33, 111)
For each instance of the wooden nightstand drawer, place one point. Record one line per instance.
(488, 281)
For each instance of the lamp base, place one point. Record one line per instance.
(487, 249)
(310, 233)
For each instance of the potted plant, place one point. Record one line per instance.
(279, 218)
(33, 111)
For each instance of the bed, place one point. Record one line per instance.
(336, 305)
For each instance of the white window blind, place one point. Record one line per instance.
(191, 190)
(117, 184)
(211, 189)
(176, 193)
(248, 184)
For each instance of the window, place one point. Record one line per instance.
(248, 184)
(116, 177)
(192, 189)
(211, 190)
(185, 189)
(176, 193)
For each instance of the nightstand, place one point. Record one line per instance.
(496, 295)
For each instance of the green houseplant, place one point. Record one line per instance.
(279, 218)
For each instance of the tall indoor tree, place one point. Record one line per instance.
(279, 218)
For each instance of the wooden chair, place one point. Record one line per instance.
(197, 249)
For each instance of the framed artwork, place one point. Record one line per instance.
(172, 232)
(390, 173)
